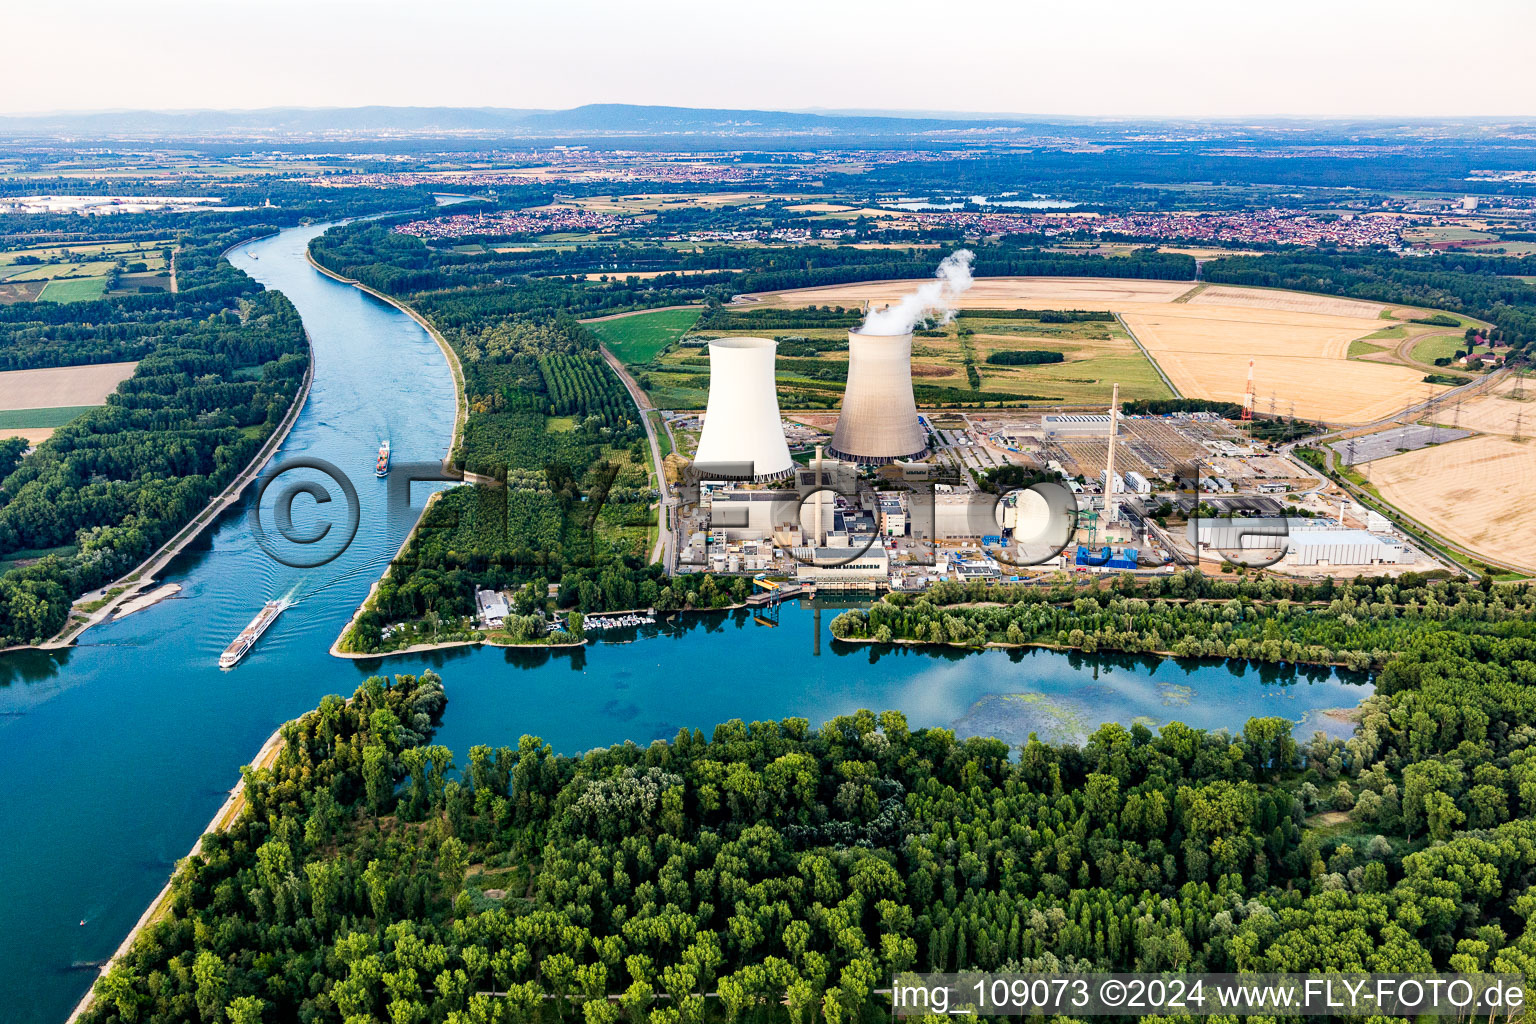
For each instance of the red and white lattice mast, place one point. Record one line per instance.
(1248, 395)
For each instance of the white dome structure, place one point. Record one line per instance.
(743, 437)
(878, 422)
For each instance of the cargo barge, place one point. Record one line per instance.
(242, 644)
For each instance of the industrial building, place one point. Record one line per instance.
(893, 516)
(878, 421)
(843, 568)
(748, 515)
(1244, 532)
(1304, 541)
(1328, 546)
(1084, 425)
(1106, 557)
(743, 437)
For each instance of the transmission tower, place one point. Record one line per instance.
(1248, 395)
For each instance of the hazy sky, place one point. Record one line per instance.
(1096, 57)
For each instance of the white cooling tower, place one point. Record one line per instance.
(743, 437)
(878, 422)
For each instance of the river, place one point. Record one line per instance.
(117, 752)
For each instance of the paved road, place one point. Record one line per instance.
(664, 551)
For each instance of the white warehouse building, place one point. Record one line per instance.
(1075, 424)
(1305, 542)
(743, 436)
(1325, 546)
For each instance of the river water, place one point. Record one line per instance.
(116, 753)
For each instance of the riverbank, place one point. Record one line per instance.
(225, 816)
(488, 642)
(461, 400)
(103, 603)
(1004, 645)
(148, 600)
(460, 416)
(448, 644)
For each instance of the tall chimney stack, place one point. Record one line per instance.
(1111, 503)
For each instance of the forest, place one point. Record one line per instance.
(219, 363)
(776, 871)
(1323, 622)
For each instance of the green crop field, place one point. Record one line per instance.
(1440, 346)
(39, 419)
(637, 339)
(82, 289)
(1098, 355)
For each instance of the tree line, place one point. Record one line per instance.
(219, 363)
(779, 871)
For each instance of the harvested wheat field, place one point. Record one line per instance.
(62, 386)
(33, 436)
(1300, 342)
(1497, 413)
(1476, 492)
(1294, 302)
(997, 293)
(1301, 360)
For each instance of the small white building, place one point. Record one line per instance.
(893, 516)
(491, 607)
(1137, 484)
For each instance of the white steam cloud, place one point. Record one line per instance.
(949, 282)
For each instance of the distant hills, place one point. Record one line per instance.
(596, 118)
(599, 121)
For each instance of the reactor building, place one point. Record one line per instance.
(878, 422)
(743, 437)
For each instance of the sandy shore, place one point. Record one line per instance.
(143, 601)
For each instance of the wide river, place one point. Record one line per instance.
(118, 752)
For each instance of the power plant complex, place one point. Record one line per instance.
(743, 436)
(1105, 482)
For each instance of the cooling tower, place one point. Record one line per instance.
(878, 422)
(743, 438)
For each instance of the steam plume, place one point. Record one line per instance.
(937, 296)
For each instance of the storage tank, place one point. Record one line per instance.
(743, 437)
(878, 420)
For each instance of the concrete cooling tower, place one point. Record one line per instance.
(743, 437)
(878, 422)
